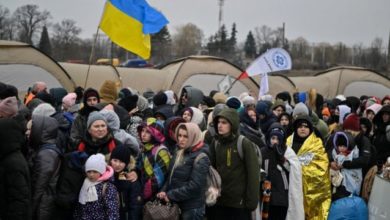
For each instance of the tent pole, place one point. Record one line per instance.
(91, 56)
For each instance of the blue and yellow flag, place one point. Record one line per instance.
(128, 23)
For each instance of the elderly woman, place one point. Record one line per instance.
(310, 150)
(188, 173)
(98, 138)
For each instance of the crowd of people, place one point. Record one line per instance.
(103, 154)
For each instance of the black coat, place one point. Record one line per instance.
(251, 130)
(45, 168)
(279, 189)
(187, 184)
(15, 189)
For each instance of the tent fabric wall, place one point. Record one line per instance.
(97, 74)
(334, 81)
(192, 65)
(12, 52)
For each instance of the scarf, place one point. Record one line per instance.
(88, 192)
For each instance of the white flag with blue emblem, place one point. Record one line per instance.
(275, 59)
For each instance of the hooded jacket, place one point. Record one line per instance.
(262, 108)
(251, 130)
(120, 134)
(15, 186)
(188, 179)
(315, 174)
(240, 178)
(45, 166)
(194, 96)
(379, 140)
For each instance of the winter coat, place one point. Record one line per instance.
(130, 195)
(64, 126)
(15, 185)
(262, 108)
(79, 126)
(187, 182)
(194, 96)
(104, 145)
(46, 166)
(279, 189)
(380, 141)
(249, 129)
(315, 176)
(105, 208)
(69, 183)
(131, 128)
(240, 177)
(153, 163)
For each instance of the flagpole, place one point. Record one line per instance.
(93, 47)
(91, 56)
(231, 86)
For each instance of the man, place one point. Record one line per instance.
(240, 177)
(36, 88)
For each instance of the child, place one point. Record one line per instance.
(344, 181)
(152, 164)
(98, 198)
(129, 190)
(187, 114)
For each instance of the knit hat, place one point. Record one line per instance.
(124, 92)
(46, 97)
(284, 96)
(384, 99)
(9, 107)
(69, 100)
(267, 97)
(90, 92)
(129, 102)
(170, 97)
(340, 97)
(279, 103)
(160, 99)
(219, 97)
(44, 109)
(352, 122)
(207, 100)
(300, 109)
(303, 119)
(142, 103)
(94, 116)
(277, 131)
(248, 100)
(96, 162)
(121, 153)
(108, 91)
(233, 102)
(8, 91)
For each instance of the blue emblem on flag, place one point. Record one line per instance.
(280, 60)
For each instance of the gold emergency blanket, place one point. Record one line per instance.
(315, 177)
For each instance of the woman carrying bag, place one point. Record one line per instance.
(188, 173)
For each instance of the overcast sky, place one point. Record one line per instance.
(348, 21)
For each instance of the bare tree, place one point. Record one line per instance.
(66, 32)
(188, 40)
(263, 35)
(6, 24)
(65, 39)
(30, 20)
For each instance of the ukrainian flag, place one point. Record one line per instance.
(128, 23)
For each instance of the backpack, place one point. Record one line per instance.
(213, 182)
(241, 153)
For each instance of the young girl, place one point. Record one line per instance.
(187, 114)
(152, 164)
(130, 199)
(98, 198)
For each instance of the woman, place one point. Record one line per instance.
(310, 150)
(98, 138)
(285, 120)
(249, 126)
(188, 173)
